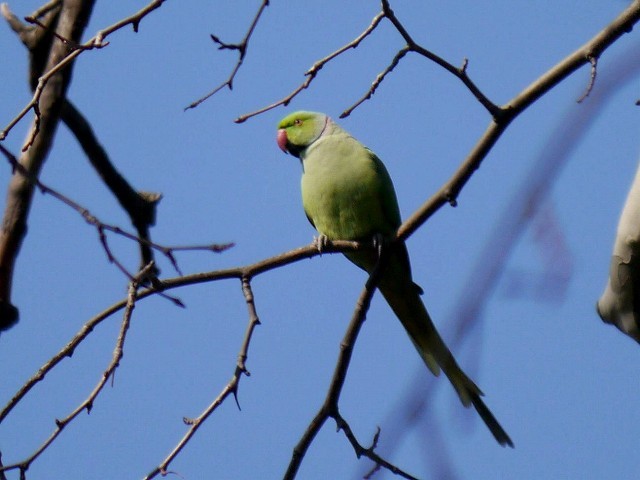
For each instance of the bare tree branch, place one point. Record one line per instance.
(248, 271)
(87, 404)
(502, 117)
(70, 24)
(48, 102)
(315, 68)
(460, 73)
(140, 206)
(102, 227)
(95, 42)
(483, 277)
(242, 51)
(592, 49)
(330, 408)
(229, 389)
(376, 83)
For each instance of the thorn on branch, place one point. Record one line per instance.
(231, 388)
(450, 197)
(376, 437)
(188, 420)
(593, 60)
(463, 68)
(376, 468)
(235, 397)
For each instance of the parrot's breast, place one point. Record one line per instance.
(341, 192)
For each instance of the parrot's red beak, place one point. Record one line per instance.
(282, 140)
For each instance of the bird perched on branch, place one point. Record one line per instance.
(347, 194)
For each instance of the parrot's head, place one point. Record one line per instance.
(299, 130)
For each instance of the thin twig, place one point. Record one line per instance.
(70, 22)
(139, 205)
(447, 194)
(248, 271)
(370, 451)
(46, 8)
(102, 227)
(231, 388)
(460, 73)
(96, 41)
(68, 42)
(315, 68)
(87, 404)
(376, 83)
(387, 12)
(242, 51)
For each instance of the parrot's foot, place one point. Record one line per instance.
(321, 242)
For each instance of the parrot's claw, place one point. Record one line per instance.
(321, 242)
(379, 243)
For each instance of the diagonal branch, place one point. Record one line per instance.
(102, 227)
(376, 83)
(460, 73)
(449, 192)
(229, 389)
(48, 102)
(71, 23)
(242, 51)
(140, 206)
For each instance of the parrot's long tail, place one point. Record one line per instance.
(416, 320)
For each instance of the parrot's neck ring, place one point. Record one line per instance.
(324, 128)
(304, 152)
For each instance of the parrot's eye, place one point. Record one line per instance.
(297, 122)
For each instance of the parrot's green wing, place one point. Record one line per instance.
(387, 194)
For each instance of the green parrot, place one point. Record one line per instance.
(347, 194)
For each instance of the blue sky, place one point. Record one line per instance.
(560, 381)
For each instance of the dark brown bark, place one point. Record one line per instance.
(69, 24)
